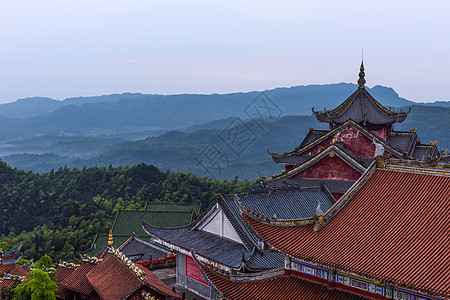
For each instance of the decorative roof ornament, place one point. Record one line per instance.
(127, 262)
(319, 211)
(110, 238)
(68, 265)
(379, 148)
(361, 80)
(90, 259)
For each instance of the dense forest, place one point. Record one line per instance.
(59, 212)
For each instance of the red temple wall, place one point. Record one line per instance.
(337, 196)
(318, 148)
(356, 142)
(331, 168)
(383, 133)
(352, 140)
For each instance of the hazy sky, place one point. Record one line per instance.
(63, 49)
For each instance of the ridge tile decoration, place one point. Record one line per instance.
(388, 235)
(359, 129)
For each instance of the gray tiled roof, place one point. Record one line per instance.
(333, 185)
(312, 135)
(424, 152)
(292, 160)
(361, 107)
(403, 141)
(143, 249)
(217, 248)
(286, 204)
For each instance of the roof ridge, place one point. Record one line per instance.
(432, 167)
(240, 231)
(270, 220)
(138, 272)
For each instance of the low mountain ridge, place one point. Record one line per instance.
(198, 151)
(127, 113)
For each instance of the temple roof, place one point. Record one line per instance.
(390, 226)
(276, 287)
(333, 149)
(361, 107)
(77, 281)
(128, 221)
(425, 152)
(306, 145)
(214, 247)
(229, 252)
(112, 277)
(279, 203)
(403, 141)
(141, 249)
(333, 185)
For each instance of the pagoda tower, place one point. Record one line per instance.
(359, 130)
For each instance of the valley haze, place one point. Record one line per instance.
(170, 131)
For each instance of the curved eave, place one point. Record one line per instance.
(331, 116)
(145, 223)
(14, 251)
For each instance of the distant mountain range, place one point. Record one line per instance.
(175, 131)
(131, 113)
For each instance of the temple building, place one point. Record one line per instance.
(223, 240)
(359, 129)
(10, 272)
(386, 238)
(127, 222)
(110, 276)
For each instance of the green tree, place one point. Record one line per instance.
(37, 286)
(7, 292)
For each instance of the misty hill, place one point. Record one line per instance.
(190, 151)
(129, 113)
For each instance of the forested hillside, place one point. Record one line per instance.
(58, 213)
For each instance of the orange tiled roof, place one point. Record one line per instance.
(112, 279)
(395, 228)
(278, 287)
(77, 281)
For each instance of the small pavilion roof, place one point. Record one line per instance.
(391, 226)
(404, 141)
(361, 107)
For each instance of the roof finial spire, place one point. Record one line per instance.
(110, 238)
(361, 80)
